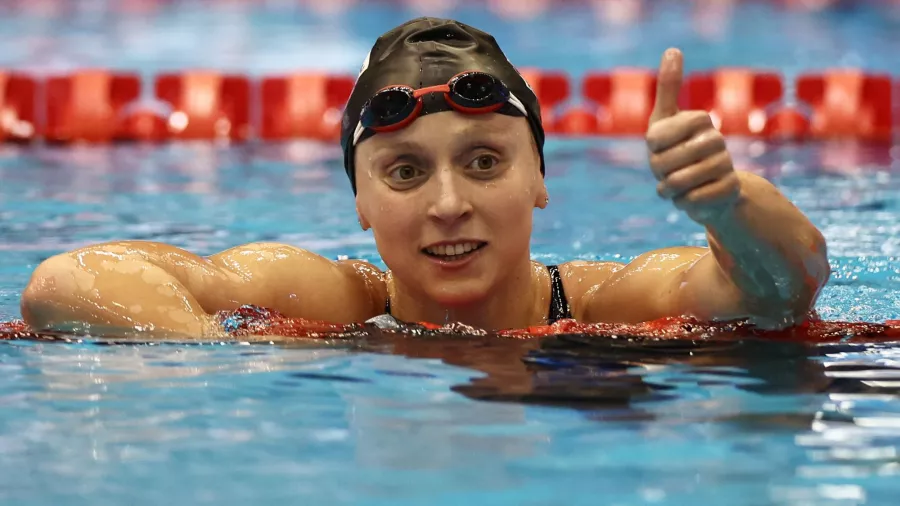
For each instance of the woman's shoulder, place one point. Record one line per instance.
(591, 272)
(372, 280)
(366, 272)
(306, 284)
(579, 277)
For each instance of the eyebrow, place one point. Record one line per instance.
(397, 149)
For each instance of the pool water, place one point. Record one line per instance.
(440, 421)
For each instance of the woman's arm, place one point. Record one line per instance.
(159, 287)
(766, 260)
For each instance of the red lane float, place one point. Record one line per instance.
(248, 321)
(552, 90)
(206, 105)
(813, 331)
(789, 124)
(619, 104)
(17, 98)
(305, 106)
(88, 106)
(848, 104)
(738, 100)
(99, 106)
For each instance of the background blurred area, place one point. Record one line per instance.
(264, 36)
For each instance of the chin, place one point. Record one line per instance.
(458, 293)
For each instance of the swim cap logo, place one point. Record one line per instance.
(527, 84)
(365, 64)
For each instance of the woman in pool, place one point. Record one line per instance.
(443, 146)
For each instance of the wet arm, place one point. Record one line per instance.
(156, 286)
(765, 256)
(766, 262)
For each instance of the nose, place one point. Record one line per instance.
(452, 203)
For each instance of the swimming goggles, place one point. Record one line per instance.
(471, 92)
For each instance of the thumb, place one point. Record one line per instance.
(668, 85)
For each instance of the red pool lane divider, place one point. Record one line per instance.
(88, 106)
(553, 90)
(306, 106)
(99, 106)
(613, 103)
(17, 107)
(247, 321)
(206, 105)
(848, 104)
(739, 100)
(625, 99)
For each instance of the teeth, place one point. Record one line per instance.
(452, 249)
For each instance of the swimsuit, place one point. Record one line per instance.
(559, 303)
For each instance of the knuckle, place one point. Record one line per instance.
(711, 138)
(661, 189)
(695, 197)
(732, 179)
(722, 160)
(719, 138)
(700, 119)
(655, 133)
(717, 171)
(678, 180)
(683, 203)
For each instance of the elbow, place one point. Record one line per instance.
(47, 292)
(795, 298)
(816, 271)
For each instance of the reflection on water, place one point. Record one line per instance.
(839, 402)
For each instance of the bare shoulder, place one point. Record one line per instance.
(369, 278)
(582, 272)
(299, 282)
(638, 290)
(581, 276)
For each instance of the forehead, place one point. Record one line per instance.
(442, 128)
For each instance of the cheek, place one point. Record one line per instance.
(510, 214)
(395, 226)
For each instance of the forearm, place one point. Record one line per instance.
(769, 251)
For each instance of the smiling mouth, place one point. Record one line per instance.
(452, 252)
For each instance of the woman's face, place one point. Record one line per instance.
(449, 199)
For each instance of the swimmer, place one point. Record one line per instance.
(443, 146)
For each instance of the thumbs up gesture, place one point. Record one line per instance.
(688, 155)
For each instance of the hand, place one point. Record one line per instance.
(688, 155)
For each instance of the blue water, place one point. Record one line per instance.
(438, 422)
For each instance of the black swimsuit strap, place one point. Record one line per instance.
(559, 303)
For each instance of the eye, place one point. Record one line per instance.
(404, 174)
(484, 163)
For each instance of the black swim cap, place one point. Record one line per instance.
(429, 52)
